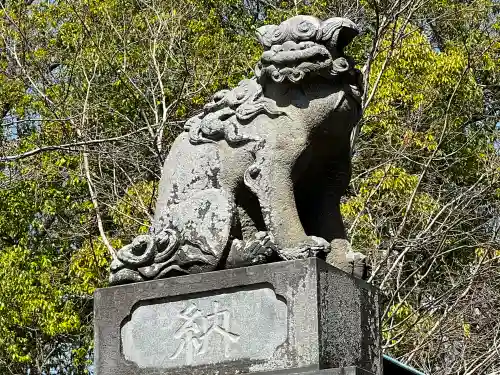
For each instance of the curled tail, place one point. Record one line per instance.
(146, 257)
(191, 237)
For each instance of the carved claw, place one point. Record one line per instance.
(138, 253)
(121, 275)
(311, 247)
(145, 257)
(168, 243)
(261, 249)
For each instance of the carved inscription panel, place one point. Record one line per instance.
(226, 327)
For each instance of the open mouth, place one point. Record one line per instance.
(292, 61)
(291, 53)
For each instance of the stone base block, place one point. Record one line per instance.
(333, 371)
(304, 315)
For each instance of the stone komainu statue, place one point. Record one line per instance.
(258, 175)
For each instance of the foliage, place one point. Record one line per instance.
(92, 92)
(113, 80)
(426, 171)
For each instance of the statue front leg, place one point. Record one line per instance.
(270, 180)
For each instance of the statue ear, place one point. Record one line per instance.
(264, 35)
(337, 33)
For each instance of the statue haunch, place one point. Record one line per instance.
(258, 175)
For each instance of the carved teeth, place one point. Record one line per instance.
(289, 46)
(287, 57)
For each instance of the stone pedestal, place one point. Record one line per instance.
(297, 317)
(333, 371)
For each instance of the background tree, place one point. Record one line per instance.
(92, 92)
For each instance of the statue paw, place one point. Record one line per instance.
(145, 258)
(345, 258)
(312, 246)
(262, 249)
(120, 274)
(259, 250)
(140, 252)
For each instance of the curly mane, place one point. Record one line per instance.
(223, 117)
(299, 47)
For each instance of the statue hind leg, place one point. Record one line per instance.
(192, 237)
(205, 222)
(270, 178)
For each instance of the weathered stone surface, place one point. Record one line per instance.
(335, 371)
(302, 315)
(258, 175)
(206, 330)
